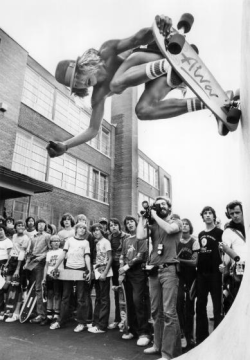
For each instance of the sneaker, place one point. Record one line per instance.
(55, 325)
(37, 320)
(143, 340)
(128, 336)
(183, 342)
(152, 350)
(113, 325)
(95, 330)
(80, 327)
(13, 318)
(1, 316)
(90, 325)
(45, 321)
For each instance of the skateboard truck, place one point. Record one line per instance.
(175, 42)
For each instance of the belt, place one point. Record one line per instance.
(163, 266)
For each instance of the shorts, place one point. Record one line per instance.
(13, 265)
(150, 48)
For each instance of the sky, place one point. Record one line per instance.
(204, 165)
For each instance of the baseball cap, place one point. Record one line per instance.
(65, 73)
(103, 219)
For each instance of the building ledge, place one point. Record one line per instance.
(14, 184)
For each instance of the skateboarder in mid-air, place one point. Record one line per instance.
(111, 70)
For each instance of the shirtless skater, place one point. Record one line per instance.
(109, 73)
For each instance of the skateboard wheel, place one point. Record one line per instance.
(176, 43)
(233, 116)
(237, 95)
(185, 22)
(195, 48)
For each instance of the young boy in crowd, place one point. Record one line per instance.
(78, 258)
(5, 248)
(54, 286)
(209, 279)
(30, 227)
(16, 261)
(104, 222)
(103, 272)
(39, 246)
(67, 223)
(187, 250)
(10, 230)
(116, 238)
(133, 255)
(81, 218)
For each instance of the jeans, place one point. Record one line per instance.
(163, 292)
(135, 287)
(3, 290)
(81, 300)
(37, 276)
(54, 294)
(207, 283)
(102, 304)
(115, 282)
(185, 310)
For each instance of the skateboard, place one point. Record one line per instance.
(187, 64)
(28, 304)
(12, 298)
(68, 274)
(124, 326)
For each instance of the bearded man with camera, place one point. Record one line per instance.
(165, 234)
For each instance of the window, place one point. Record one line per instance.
(98, 186)
(20, 210)
(69, 116)
(102, 141)
(69, 173)
(105, 142)
(148, 173)
(166, 182)
(40, 96)
(30, 156)
(38, 93)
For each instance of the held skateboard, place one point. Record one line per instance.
(29, 304)
(190, 68)
(124, 326)
(68, 274)
(12, 298)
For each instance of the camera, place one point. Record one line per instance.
(160, 249)
(146, 213)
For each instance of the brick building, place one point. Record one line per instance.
(108, 176)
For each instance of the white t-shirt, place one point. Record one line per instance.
(235, 242)
(20, 246)
(52, 257)
(102, 248)
(5, 245)
(76, 251)
(30, 234)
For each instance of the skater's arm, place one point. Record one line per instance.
(142, 37)
(58, 148)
